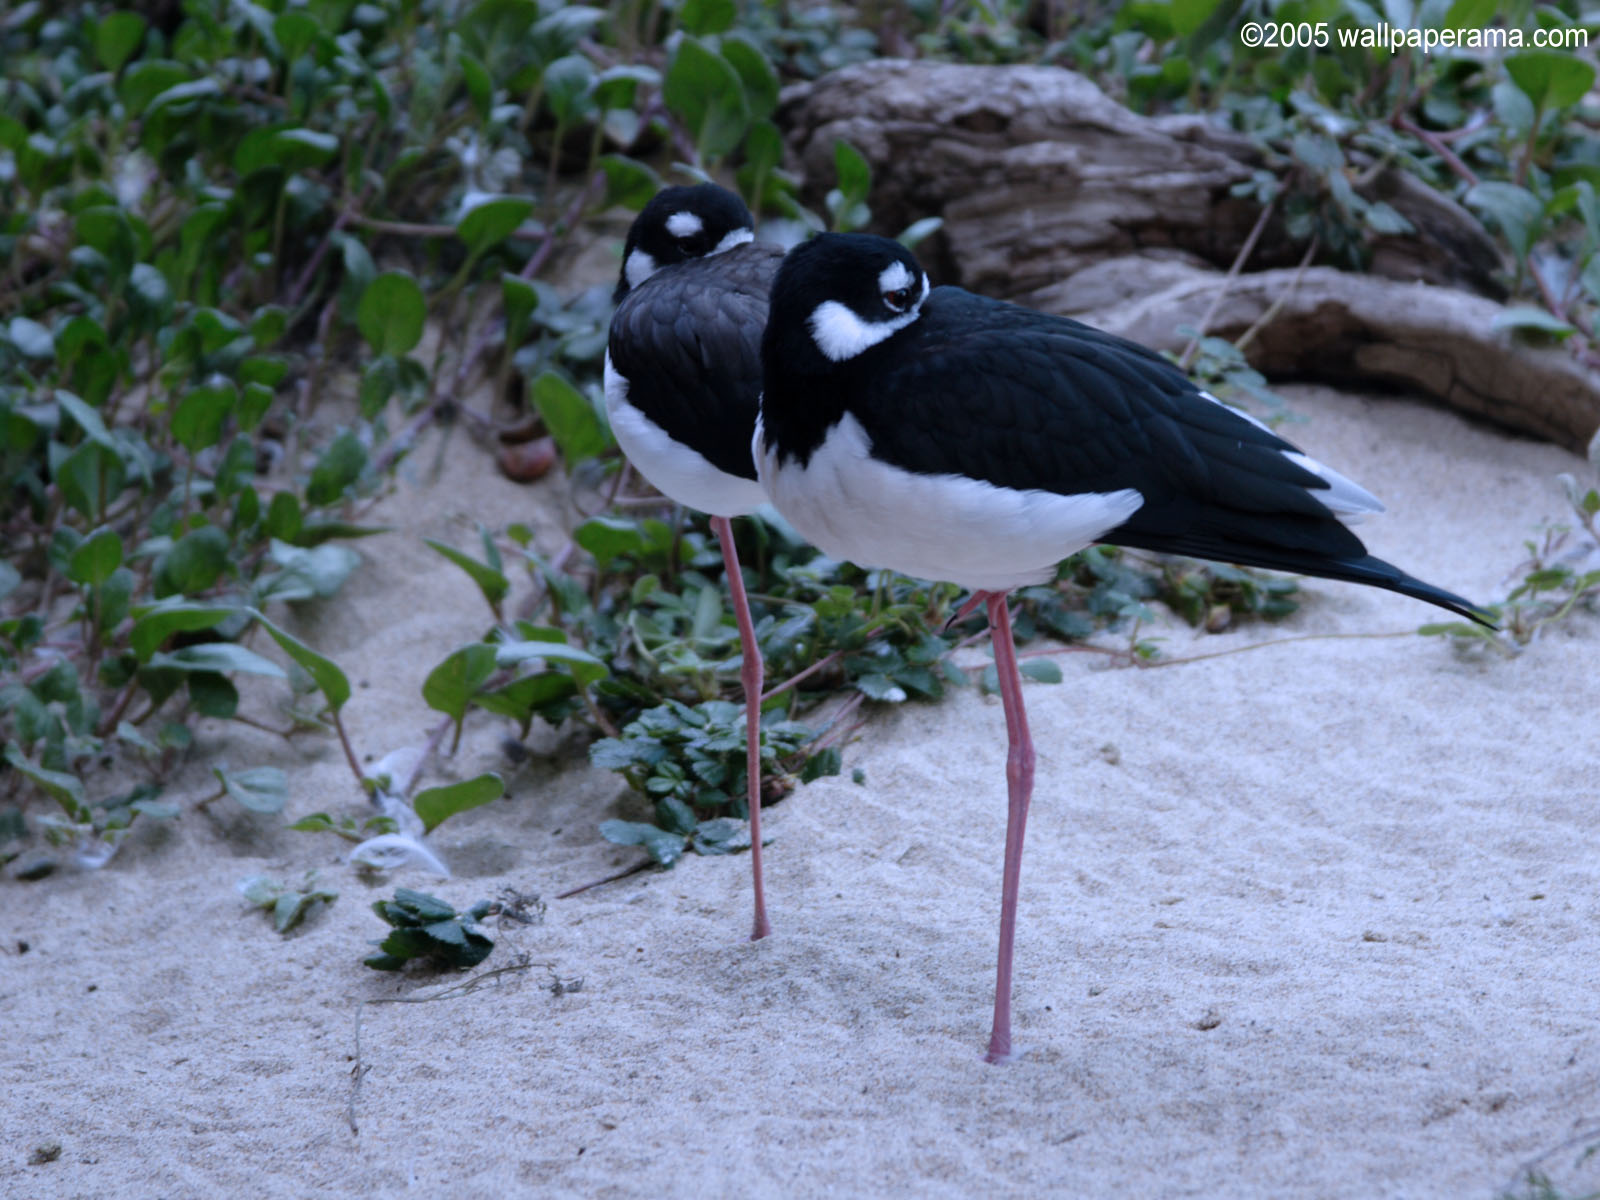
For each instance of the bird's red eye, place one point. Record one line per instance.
(899, 299)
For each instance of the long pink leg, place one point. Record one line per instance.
(750, 675)
(1019, 788)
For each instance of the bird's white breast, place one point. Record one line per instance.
(674, 469)
(945, 527)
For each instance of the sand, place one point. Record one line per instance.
(1314, 919)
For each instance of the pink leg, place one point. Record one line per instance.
(1019, 787)
(750, 676)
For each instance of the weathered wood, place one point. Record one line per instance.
(1363, 331)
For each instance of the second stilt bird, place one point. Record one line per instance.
(683, 380)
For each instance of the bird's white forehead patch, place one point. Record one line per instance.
(639, 267)
(684, 224)
(894, 277)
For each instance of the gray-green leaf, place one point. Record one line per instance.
(436, 804)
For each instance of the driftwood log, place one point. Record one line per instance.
(1055, 196)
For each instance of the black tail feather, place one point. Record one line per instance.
(1367, 569)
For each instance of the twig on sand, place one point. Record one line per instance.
(622, 874)
(465, 988)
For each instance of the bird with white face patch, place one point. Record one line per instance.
(953, 437)
(683, 382)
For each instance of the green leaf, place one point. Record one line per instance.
(1317, 151)
(755, 73)
(1382, 218)
(116, 38)
(480, 87)
(66, 789)
(519, 298)
(568, 89)
(880, 687)
(585, 667)
(825, 762)
(451, 685)
(570, 417)
(324, 672)
(423, 905)
(298, 149)
(701, 17)
(148, 287)
(341, 465)
(307, 572)
(492, 222)
(1470, 14)
(314, 533)
(1041, 670)
(31, 339)
(721, 835)
(145, 80)
(297, 32)
(855, 175)
(919, 230)
(1454, 629)
(436, 804)
(218, 657)
(284, 518)
(617, 87)
(1515, 210)
(1512, 109)
(90, 478)
(85, 418)
(492, 583)
(1549, 78)
(212, 695)
(260, 789)
(1525, 317)
(197, 421)
(522, 698)
(560, 32)
(665, 848)
(391, 313)
(610, 538)
(628, 182)
(154, 625)
(703, 90)
(195, 562)
(96, 557)
(182, 94)
(763, 152)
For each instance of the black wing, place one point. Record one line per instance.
(1026, 400)
(688, 341)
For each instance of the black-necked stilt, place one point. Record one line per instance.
(683, 383)
(954, 437)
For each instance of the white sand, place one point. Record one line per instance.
(1329, 927)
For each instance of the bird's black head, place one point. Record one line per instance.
(838, 295)
(681, 223)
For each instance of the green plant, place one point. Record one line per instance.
(1560, 575)
(690, 761)
(425, 927)
(288, 905)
